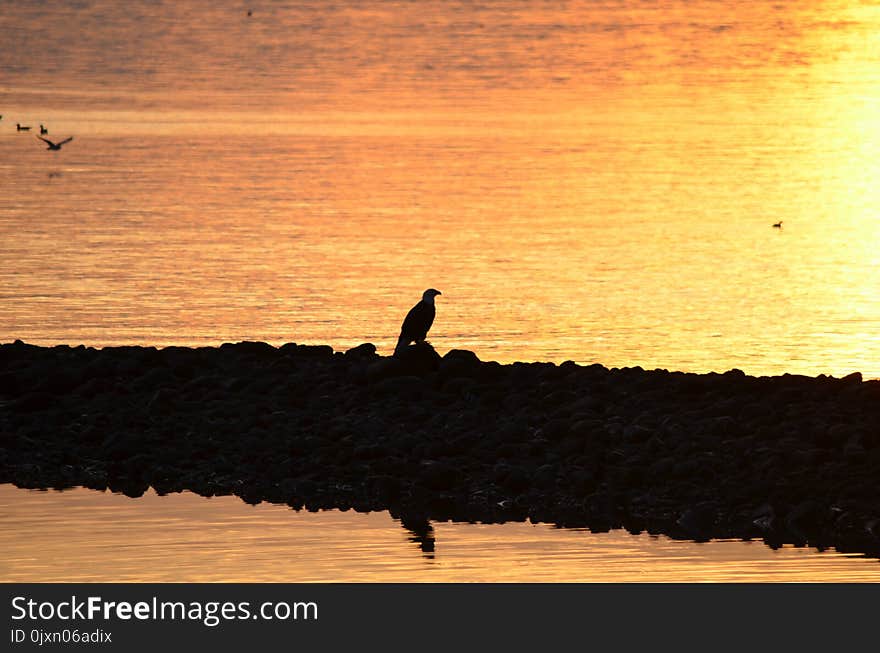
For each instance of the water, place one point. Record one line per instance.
(88, 536)
(586, 181)
(593, 181)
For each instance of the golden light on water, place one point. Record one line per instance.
(594, 182)
(87, 536)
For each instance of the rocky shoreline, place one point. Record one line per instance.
(786, 459)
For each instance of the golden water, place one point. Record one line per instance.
(187, 538)
(587, 181)
(593, 181)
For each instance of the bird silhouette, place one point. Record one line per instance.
(418, 321)
(21, 128)
(777, 225)
(55, 146)
(43, 130)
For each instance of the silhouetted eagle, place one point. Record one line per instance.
(418, 321)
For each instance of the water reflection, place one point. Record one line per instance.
(86, 536)
(421, 532)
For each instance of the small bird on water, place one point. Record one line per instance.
(55, 146)
(22, 128)
(777, 225)
(418, 321)
(43, 130)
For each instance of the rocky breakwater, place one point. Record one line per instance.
(786, 459)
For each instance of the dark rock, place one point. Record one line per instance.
(699, 522)
(439, 476)
(10, 386)
(57, 382)
(162, 401)
(399, 386)
(366, 350)
(689, 455)
(35, 402)
(637, 433)
(462, 356)
(544, 476)
(764, 517)
(314, 351)
(248, 348)
(153, 379)
(384, 368)
(516, 480)
(459, 363)
(555, 429)
(387, 488)
(418, 359)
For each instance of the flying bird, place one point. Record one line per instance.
(22, 128)
(418, 321)
(55, 146)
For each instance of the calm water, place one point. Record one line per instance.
(87, 536)
(587, 181)
(593, 181)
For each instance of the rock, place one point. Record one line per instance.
(162, 401)
(544, 476)
(57, 381)
(403, 387)
(699, 522)
(387, 488)
(516, 480)
(10, 386)
(383, 369)
(248, 348)
(439, 476)
(462, 356)
(35, 402)
(764, 517)
(453, 437)
(418, 360)
(313, 351)
(637, 433)
(459, 363)
(153, 379)
(366, 350)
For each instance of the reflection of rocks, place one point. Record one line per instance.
(786, 459)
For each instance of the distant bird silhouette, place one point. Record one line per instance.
(21, 128)
(777, 225)
(418, 321)
(43, 130)
(55, 146)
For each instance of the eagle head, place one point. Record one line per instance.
(429, 295)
